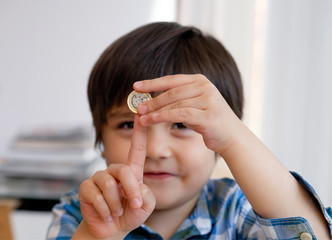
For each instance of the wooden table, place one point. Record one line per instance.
(6, 206)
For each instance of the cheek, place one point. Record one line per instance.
(204, 162)
(198, 158)
(116, 152)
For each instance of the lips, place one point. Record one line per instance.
(158, 175)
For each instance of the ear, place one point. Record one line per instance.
(103, 154)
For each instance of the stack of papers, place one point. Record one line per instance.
(46, 162)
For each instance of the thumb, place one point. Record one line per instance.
(149, 200)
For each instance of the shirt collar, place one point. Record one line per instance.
(198, 223)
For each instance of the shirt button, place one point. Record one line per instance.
(305, 236)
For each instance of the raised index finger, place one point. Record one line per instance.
(137, 152)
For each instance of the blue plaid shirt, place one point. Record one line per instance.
(222, 212)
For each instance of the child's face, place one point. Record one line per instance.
(177, 165)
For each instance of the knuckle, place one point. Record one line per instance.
(85, 183)
(124, 169)
(138, 147)
(144, 189)
(111, 167)
(99, 199)
(200, 76)
(148, 83)
(176, 105)
(183, 113)
(206, 85)
(110, 183)
(131, 191)
(168, 78)
(171, 94)
(153, 104)
(98, 174)
(83, 188)
(210, 99)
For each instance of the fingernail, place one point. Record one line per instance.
(108, 219)
(136, 203)
(155, 116)
(138, 84)
(142, 109)
(118, 212)
(143, 119)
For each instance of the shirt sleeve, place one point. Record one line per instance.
(66, 217)
(294, 227)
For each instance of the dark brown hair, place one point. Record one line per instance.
(156, 50)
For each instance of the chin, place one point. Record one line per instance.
(163, 206)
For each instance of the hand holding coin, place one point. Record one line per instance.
(192, 100)
(136, 98)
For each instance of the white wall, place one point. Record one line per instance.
(284, 52)
(297, 107)
(47, 49)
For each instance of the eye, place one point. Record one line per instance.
(126, 125)
(179, 126)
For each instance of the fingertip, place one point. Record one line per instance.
(142, 109)
(108, 219)
(143, 120)
(118, 212)
(138, 124)
(136, 203)
(137, 85)
(149, 198)
(155, 116)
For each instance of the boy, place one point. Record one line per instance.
(160, 160)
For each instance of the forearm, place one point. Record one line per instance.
(272, 191)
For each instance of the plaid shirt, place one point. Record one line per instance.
(222, 212)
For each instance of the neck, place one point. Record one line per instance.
(167, 221)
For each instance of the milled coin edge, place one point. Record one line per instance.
(130, 96)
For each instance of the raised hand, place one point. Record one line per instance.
(194, 101)
(115, 201)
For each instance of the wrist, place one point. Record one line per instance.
(236, 138)
(83, 232)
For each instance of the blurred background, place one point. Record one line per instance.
(47, 50)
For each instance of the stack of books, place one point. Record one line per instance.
(46, 162)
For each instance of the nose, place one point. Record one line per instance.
(158, 143)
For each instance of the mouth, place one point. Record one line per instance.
(158, 175)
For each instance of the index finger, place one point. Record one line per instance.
(164, 83)
(137, 151)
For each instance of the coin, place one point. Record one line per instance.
(136, 98)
